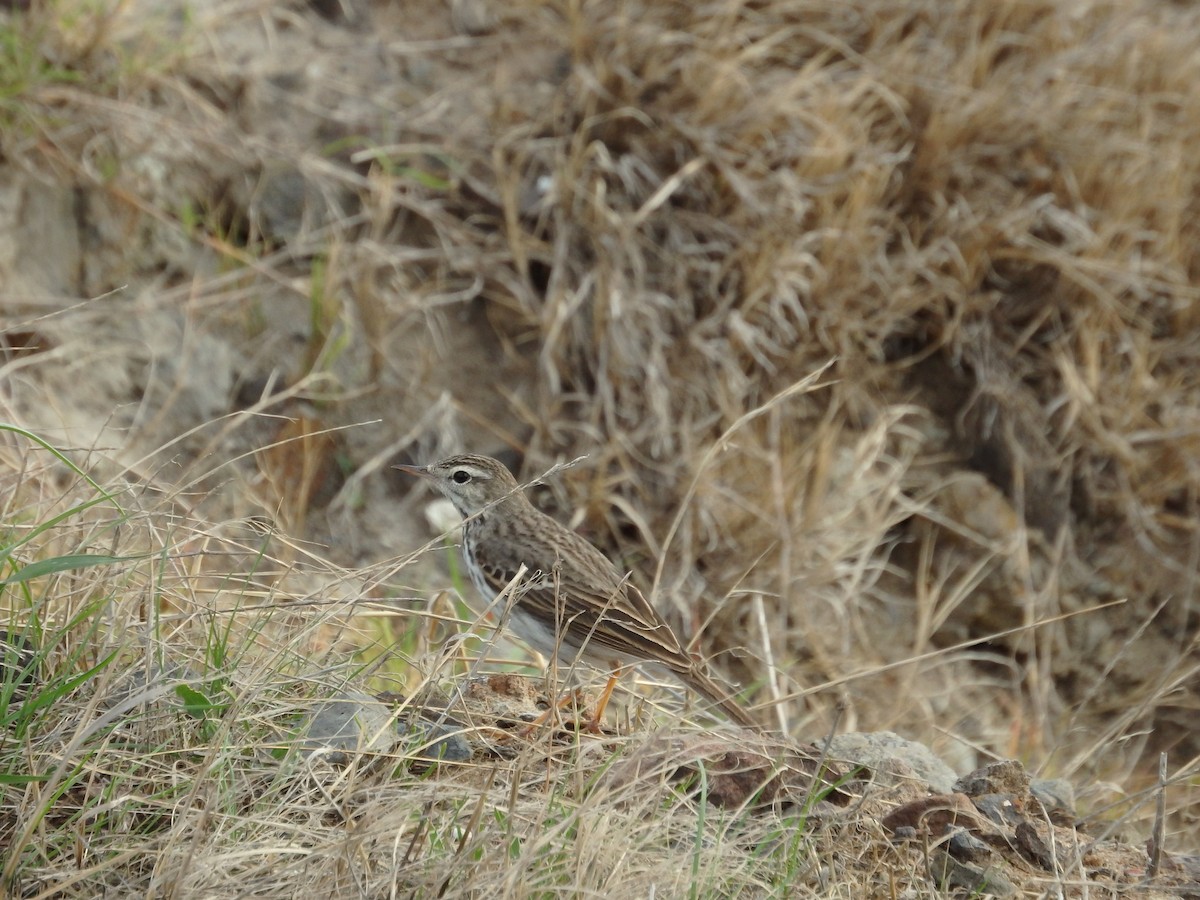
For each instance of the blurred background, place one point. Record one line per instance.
(871, 325)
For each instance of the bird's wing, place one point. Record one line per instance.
(613, 622)
(584, 601)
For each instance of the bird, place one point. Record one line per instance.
(574, 604)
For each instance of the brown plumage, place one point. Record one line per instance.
(573, 603)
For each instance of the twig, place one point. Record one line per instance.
(1160, 819)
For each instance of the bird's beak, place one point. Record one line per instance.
(419, 471)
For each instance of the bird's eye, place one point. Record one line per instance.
(461, 476)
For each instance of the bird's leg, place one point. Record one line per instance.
(593, 724)
(602, 704)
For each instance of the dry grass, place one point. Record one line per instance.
(875, 324)
(180, 784)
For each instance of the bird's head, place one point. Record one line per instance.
(471, 483)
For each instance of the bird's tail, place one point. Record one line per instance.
(699, 681)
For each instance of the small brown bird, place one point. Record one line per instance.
(573, 603)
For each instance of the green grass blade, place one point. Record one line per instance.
(68, 563)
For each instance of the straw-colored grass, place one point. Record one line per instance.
(872, 327)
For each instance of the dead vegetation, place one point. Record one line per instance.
(875, 325)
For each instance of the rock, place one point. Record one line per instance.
(437, 742)
(880, 751)
(989, 829)
(948, 872)
(473, 17)
(1031, 846)
(1057, 795)
(350, 723)
(934, 816)
(357, 722)
(1005, 777)
(1002, 809)
(40, 251)
(965, 847)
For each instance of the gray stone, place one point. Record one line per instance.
(350, 723)
(1056, 794)
(356, 722)
(1000, 808)
(893, 758)
(433, 742)
(965, 847)
(948, 872)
